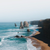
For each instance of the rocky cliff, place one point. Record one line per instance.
(34, 22)
(44, 31)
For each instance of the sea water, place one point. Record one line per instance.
(7, 39)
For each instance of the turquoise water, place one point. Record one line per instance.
(7, 33)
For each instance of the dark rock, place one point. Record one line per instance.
(46, 28)
(40, 24)
(44, 31)
(22, 36)
(28, 30)
(15, 25)
(17, 36)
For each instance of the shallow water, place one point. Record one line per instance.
(7, 33)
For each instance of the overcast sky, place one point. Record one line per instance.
(24, 10)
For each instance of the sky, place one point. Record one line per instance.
(24, 10)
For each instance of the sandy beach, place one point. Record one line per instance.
(40, 45)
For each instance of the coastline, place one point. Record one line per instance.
(29, 45)
(40, 45)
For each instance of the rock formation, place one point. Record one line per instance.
(28, 30)
(26, 24)
(15, 25)
(17, 36)
(46, 27)
(21, 25)
(45, 24)
(44, 31)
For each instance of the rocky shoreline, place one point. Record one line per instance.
(44, 31)
(40, 45)
(43, 39)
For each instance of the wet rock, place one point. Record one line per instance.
(26, 24)
(28, 30)
(15, 25)
(22, 36)
(21, 27)
(17, 36)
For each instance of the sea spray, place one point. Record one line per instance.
(29, 45)
(1, 41)
(38, 48)
(33, 33)
(4, 37)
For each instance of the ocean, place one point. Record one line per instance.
(9, 42)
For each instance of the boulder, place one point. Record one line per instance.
(17, 36)
(26, 24)
(22, 36)
(28, 30)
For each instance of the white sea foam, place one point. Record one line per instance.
(39, 48)
(10, 35)
(1, 41)
(29, 45)
(34, 27)
(20, 30)
(33, 33)
(10, 30)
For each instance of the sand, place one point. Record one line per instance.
(40, 45)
